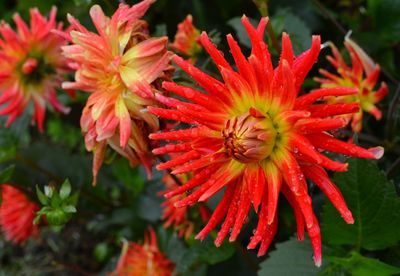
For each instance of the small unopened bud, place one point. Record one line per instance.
(249, 137)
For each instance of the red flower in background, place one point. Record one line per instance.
(31, 66)
(121, 66)
(186, 38)
(17, 213)
(178, 217)
(253, 137)
(146, 259)
(362, 75)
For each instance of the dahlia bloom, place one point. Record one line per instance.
(121, 66)
(31, 66)
(17, 213)
(186, 38)
(253, 137)
(179, 218)
(362, 75)
(146, 259)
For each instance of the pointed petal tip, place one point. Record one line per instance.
(377, 152)
(266, 19)
(260, 254)
(203, 198)
(316, 38)
(348, 217)
(300, 237)
(232, 239)
(318, 261)
(218, 242)
(199, 237)
(94, 181)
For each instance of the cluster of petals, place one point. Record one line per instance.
(186, 38)
(363, 75)
(146, 259)
(17, 213)
(179, 218)
(252, 137)
(121, 66)
(31, 66)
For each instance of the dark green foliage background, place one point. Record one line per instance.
(124, 203)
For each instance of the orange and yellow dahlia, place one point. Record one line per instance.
(31, 66)
(186, 38)
(253, 137)
(17, 213)
(362, 75)
(146, 259)
(121, 66)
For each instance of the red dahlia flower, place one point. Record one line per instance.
(17, 214)
(120, 66)
(31, 66)
(362, 75)
(146, 259)
(179, 217)
(254, 137)
(186, 38)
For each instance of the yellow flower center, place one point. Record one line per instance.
(250, 137)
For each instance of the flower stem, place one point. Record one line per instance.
(325, 12)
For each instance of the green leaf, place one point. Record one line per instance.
(291, 257)
(374, 204)
(41, 196)
(69, 209)
(389, 28)
(36, 220)
(65, 189)
(73, 200)
(57, 217)
(8, 146)
(101, 251)
(212, 254)
(48, 191)
(129, 177)
(148, 207)
(82, 2)
(360, 265)
(204, 251)
(6, 174)
(299, 32)
(63, 133)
